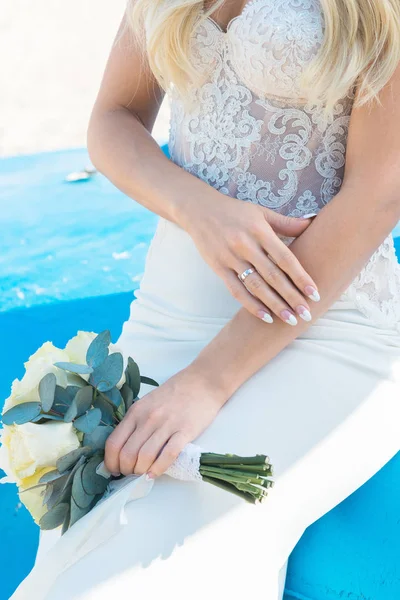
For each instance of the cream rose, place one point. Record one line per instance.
(77, 348)
(39, 364)
(28, 448)
(30, 451)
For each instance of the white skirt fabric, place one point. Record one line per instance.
(326, 410)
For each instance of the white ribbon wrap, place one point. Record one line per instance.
(187, 465)
(87, 535)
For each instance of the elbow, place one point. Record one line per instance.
(391, 202)
(93, 140)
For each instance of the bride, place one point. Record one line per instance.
(270, 304)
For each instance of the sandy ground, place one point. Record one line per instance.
(53, 55)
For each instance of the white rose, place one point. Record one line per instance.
(29, 448)
(77, 348)
(30, 451)
(39, 364)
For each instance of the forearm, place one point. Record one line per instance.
(124, 151)
(333, 250)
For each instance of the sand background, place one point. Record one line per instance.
(53, 56)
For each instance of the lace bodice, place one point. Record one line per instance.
(248, 132)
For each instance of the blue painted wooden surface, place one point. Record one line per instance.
(351, 553)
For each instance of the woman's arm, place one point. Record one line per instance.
(231, 235)
(334, 249)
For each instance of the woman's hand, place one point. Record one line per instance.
(233, 236)
(158, 426)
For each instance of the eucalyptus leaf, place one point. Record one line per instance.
(22, 413)
(60, 492)
(132, 374)
(47, 493)
(96, 440)
(55, 517)
(50, 476)
(83, 400)
(107, 410)
(92, 482)
(76, 380)
(88, 422)
(71, 473)
(72, 390)
(114, 396)
(65, 526)
(71, 412)
(108, 374)
(79, 494)
(43, 418)
(149, 381)
(38, 486)
(65, 463)
(74, 368)
(63, 398)
(98, 349)
(127, 395)
(77, 512)
(47, 388)
(121, 411)
(38, 419)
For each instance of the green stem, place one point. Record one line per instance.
(54, 412)
(231, 476)
(232, 459)
(232, 489)
(251, 489)
(267, 483)
(262, 470)
(240, 484)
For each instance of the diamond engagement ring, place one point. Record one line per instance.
(246, 273)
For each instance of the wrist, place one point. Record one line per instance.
(198, 376)
(191, 205)
(221, 383)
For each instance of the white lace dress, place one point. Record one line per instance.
(326, 409)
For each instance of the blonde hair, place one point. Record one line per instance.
(361, 46)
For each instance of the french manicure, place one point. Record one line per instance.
(264, 316)
(304, 313)
(309, 215)
(289, 317)
(150, 476)
(312, 293)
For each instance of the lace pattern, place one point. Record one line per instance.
(187, 466)
(248, 132)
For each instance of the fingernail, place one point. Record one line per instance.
(304, 313)
(150, 476)
(289, 317)
(116, 474)
(312, 293)
(264, 316)
(309, 216)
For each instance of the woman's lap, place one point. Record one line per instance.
(327, 412)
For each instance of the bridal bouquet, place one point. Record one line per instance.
(59, 416)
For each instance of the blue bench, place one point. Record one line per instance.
(351, 553)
